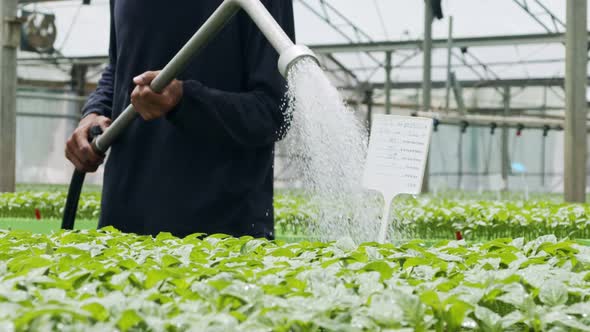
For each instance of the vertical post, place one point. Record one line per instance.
(426, 76)
(427, 60)
(388, 82)
(369, 102)
(543, 158)
(9, 41)
(544, 140)
(576, 109)
(458, 91)
(78, 83)
(449, 69)
(505, 157)
(460, 159)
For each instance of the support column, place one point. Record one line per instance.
(544, 140)
(78, 83)
(369, 102)
(505, 157)
(575, 100)
(9, 41)
(427, 60)
(388, 68)
(449, 64)
(426, 76)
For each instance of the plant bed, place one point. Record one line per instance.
(424, 217)
(43, 226)
(435, 218)
(292, 213)
(105, 280)
(47, 204)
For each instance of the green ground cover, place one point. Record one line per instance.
(106, 281)
(54, 187)
(44, 226)
(504, 277)
(48, 226)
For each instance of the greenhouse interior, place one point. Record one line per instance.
(294, 165)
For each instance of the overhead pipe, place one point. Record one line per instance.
(487, 120)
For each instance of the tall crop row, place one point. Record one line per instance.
(424, 217)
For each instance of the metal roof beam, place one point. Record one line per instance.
(558, 24)
(461, 65)
(343, 68)
(63, 60)
(341, 24)
(532, 82)
(488, 41)
(28, 2)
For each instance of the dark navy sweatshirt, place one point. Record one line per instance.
(207, 167)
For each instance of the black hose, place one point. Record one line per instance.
(72, 201)
(75, 189)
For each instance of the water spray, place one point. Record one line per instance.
(289, 55)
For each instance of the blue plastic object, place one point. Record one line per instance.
(518, 168)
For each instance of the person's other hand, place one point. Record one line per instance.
(151, 105)
(78, 148)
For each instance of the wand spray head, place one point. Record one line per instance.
(292, 55)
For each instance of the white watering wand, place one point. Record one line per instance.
(288, 51)
(396, 160)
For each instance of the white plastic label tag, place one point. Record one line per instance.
(397, 154)
(396, 160)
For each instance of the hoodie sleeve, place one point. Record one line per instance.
(252, 118)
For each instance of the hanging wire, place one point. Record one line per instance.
(59, 50)
(380, 15)
(71, 27)
(525, 69)
(329, 14)
(523, 60)
(556, 93)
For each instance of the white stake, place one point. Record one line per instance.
(396, 159)
(385, 220)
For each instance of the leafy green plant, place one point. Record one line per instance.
(424, 217)
(50, 204)
(486, 220)
(106, 280)
(292, 212)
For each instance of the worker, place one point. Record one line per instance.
(199, 159)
